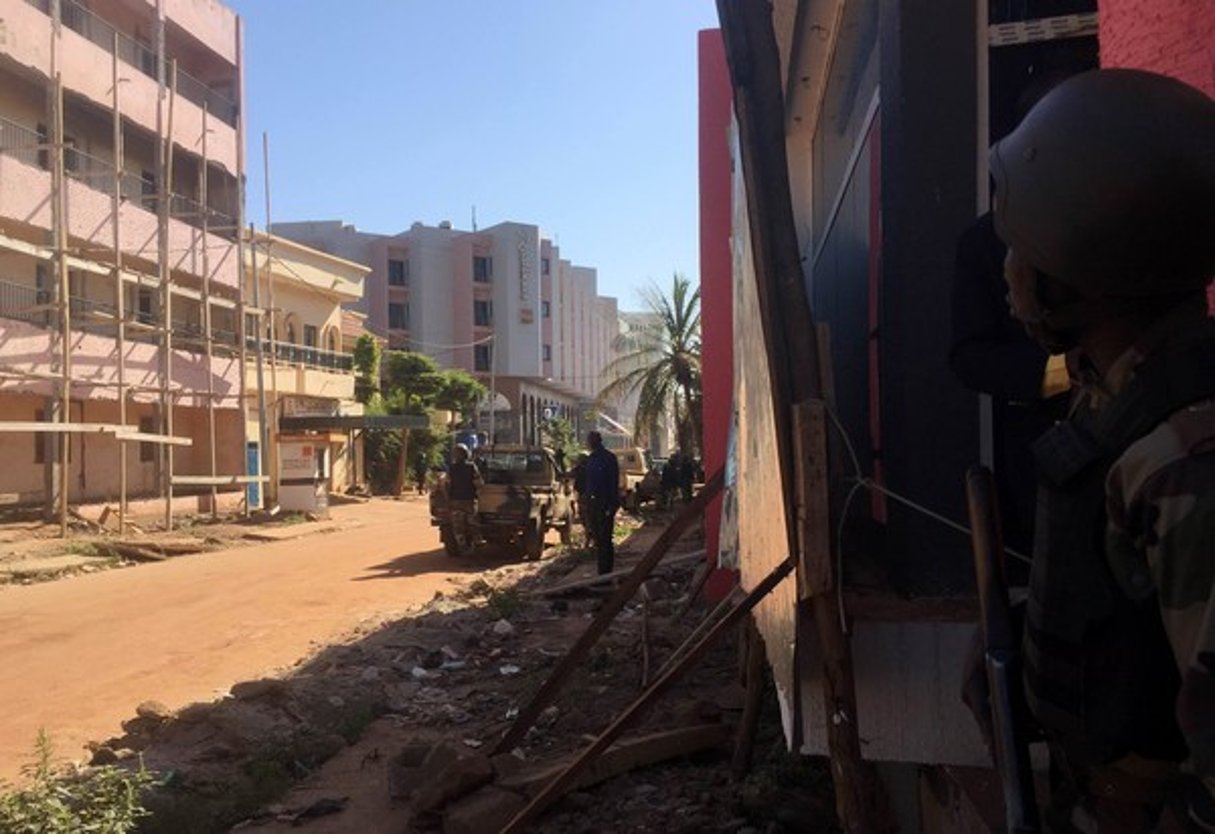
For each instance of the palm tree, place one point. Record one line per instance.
(660, 362)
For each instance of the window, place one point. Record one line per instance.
(398, 272)
(290, 332)
(147, 451)
(332, 342)
(483, 269)
(398, 316)
(145, 305)
(546, 309)
(483, 313)
(482, 357)
(544, 266)
(546, 352)
(310, 335)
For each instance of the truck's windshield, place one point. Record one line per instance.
(511, 467)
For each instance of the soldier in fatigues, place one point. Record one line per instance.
(1105, 195)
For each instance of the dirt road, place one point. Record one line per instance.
(80, 654)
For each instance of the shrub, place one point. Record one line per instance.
(102, 800)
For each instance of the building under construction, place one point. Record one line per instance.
(120, 283)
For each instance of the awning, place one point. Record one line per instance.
(371, 422)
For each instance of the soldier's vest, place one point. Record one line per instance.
(1099, 672)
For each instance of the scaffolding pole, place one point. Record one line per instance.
(242, 324)
(271, 309)
(164, 146)
(263, 438)
(119, 287)
(206, 312)
(59, 222)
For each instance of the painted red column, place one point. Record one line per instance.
(1173, 37)
(716, 280)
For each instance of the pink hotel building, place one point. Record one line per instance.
(499, 302)
(119, 270)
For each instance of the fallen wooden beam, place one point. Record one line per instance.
(574, 770)
(641, 571)
(135, 554)
(626, 755)
(603, 578)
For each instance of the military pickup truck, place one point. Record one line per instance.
(639, 481)
(524, 495)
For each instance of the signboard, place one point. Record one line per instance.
(527, 265)
(294, 406)
(297, 460)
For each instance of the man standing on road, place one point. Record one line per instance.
(463, 480)
(603, 499)
(1105, 195)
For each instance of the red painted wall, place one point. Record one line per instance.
(716, 277)
(1174, 37)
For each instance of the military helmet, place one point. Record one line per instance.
(461, 451)
(1108, 184)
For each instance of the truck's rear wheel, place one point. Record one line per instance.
(450, 545)
(567, 528)
(532, 543)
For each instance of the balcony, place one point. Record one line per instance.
(130, 51)
(301, 371)
(21, 302)
(308, 357)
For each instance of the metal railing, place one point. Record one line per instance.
(17, 299)
(309, 357)
(101, 32)
(29, 146)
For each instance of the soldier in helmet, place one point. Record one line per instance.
(463, 481)
(1105, 196)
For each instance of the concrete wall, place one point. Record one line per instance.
(94, 458)
(28, 349)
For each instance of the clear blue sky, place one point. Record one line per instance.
(576, 115)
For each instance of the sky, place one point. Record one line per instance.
(576, 115)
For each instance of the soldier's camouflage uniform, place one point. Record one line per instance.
(1160, 506)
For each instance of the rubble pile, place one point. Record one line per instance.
(452, 678)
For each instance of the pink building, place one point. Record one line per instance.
(499, 302)
(119, 270)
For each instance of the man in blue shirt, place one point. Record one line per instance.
(603, 499)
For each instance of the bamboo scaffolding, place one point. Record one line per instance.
(59, 212)
(119, 287)
(206, 313)
(164, 147)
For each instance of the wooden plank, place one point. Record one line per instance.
(748, 727)
(817, 575)
(218, 480)
(626, 755)
(790, 340)
(39, 427)
(562, 782)
(603, 578)
(149, 437)
(641, 571)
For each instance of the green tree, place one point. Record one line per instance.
(366, 368)
(413, 380)
(558, 434)
(660, 362)
(461, 392)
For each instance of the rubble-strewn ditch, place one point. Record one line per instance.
(447, 682)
